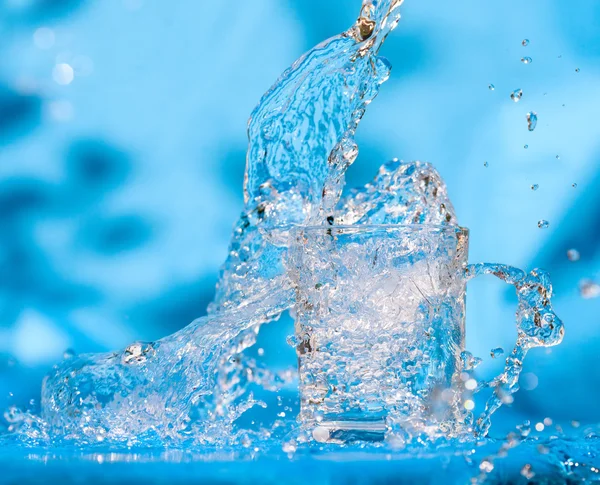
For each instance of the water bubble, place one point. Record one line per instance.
(547, 421)
(539, 427)
(471, 385)
(589, 289)
(527, 472)
(69, 354)
(535, 187)
(470, 362)
(573, 255)
(542, 224)
(516, 95)
(497, 352)
(290, 447)
(525, 42)
(528, 381)
(63, 74)
(524, 429)
(526, 60)
(486, 465)
(531, 120)
(321, 434)
(137, 353)
(491, 87)
(43, 38)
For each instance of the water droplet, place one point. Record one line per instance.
(137, 353)
(486, 465)
(542, 224)
(516, 95)
(531, 120)
(471, 385)
(558, 157)
(525, 42)
(524, 429)
(526, 147)
(321, 434)
(573, 255)
(574, 185)
(497, 352)
(526, 60)
(589, 289)
(485, 164)
(63, 74)
(469, 360)
(69, 354)
(535, 187)
(528, 381)
(491, 87)
(290, 447)
(44, 38)
(527, 472)
(577, 70)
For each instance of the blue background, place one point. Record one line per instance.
(118, 190)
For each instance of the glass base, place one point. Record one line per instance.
(344, 431)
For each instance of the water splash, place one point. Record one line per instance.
(402, 193)
(193, 386)
(537, 326)
(301, 141)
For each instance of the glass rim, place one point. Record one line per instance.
(381, 227)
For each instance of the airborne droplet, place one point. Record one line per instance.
(589, 289)
(535, 187)
(526, 60)
(542, 224)
(516, 95)
(573, 255)
(531, 120)
(491, 87)
(525, 42)
(497, 352)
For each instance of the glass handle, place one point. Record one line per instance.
(537, 326)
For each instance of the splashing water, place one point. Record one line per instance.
(402, 193)
(190, 388)
(300, 144)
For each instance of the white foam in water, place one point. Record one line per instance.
(191, 387)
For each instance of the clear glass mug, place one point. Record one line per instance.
(380, 328)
